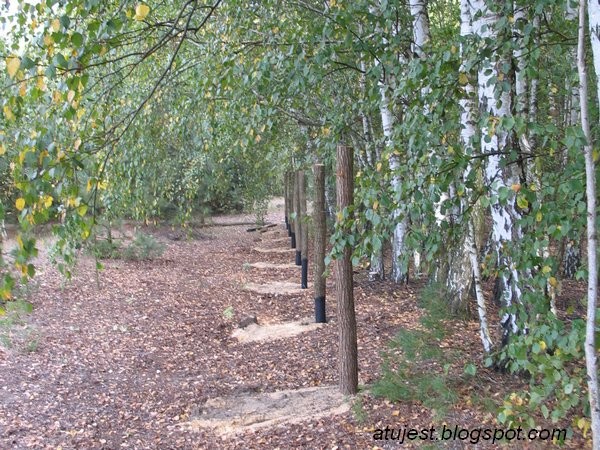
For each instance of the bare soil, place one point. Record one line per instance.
(143, 355)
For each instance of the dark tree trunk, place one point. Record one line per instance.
(348, 353)
(319, 221)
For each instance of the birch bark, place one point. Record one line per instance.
(494, 100)
(591, 356)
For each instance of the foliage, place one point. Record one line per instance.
(550, 355)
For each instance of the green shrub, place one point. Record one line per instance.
(144, 246)
(551, 356)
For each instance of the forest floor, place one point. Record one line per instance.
(149, 355)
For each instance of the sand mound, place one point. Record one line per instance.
(267, 265)
(273, 250)
(268, 332)
(275, 288)
(248, 411)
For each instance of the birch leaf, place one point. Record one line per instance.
(12, 65)
(141, 11)
(20, 203)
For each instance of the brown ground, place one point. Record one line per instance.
(133, 363)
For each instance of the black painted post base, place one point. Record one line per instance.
(293, 236)
(320, 310)
(304, 284)
(287, 224)
(298, 258)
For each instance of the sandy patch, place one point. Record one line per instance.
(267, 265)
(275, 288)
(268, 332)
(273, 250)
(249, 411)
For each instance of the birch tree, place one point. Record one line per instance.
(591, 356)
(495, 102)
(463, 266)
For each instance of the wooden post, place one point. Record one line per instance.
(320, 242)
(286, 204)
(293, 192)
(298, 219)
(303, 229)
(348, 352)
(290, 188)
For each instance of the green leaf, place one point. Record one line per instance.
(77, 39)
(470, 369)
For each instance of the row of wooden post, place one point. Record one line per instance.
(297, 226)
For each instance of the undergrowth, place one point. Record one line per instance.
(142, 247)
(15, 332)
(416, 368)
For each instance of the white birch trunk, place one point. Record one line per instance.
(497, 178)
(594, 24)
(591, 356)
(421, 35)
(464, 266)
(399, 272)
(418, 11)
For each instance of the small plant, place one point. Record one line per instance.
(105, 249)
(144, 246)
(228, 313)
(358, 409)
(14, 330)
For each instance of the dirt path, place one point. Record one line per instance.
(132, 364)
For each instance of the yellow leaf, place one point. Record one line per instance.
(463, 78)
(2, 149)
(48, 40)
(77, 144)
(20, 203)
(12, 65)
(48, 201)
(2, 311)
(538, 216)
(552, 282)
(82, 210)
(57, 96)
(543, 345)
(376, 204)
(378, 167)
(141, 11)
(546, 269)
(71, 96)
(8, 113)
(56, 25)
(522, 202)
(41, 84)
